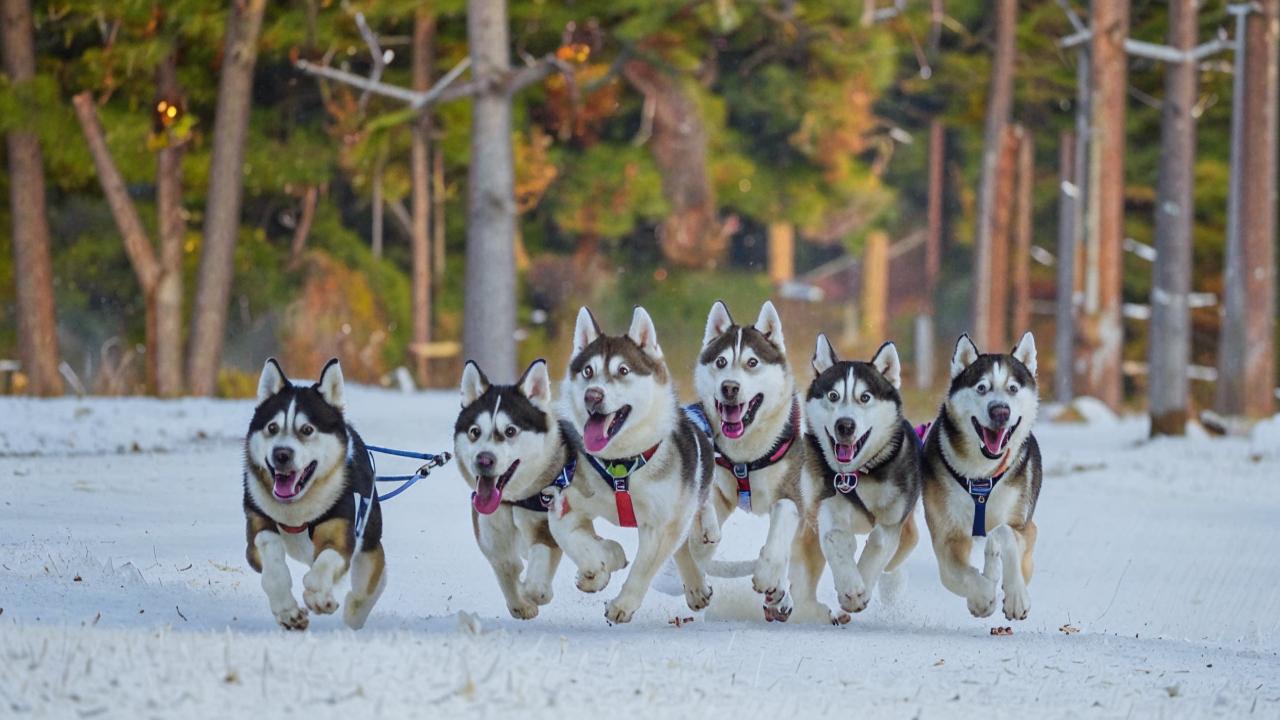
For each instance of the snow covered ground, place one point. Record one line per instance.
(124, 593)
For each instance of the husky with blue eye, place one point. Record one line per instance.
(309, 495)
(863, 468)
(982, 476)
(510, 449)
(647, 465)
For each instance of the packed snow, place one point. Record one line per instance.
(124, 593)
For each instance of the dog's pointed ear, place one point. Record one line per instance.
(1025, 353)
(888, 363)
(535, 384)
(770, 325)
(585, 331)
(717, 322)
(643, 333)
(272, 379)
(824, 356)
(964, 356)
(331, 385)
(474, 383)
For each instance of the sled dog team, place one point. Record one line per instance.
(825, 465)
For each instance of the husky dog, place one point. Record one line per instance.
(982, 475)
(509, 449)
(863, 466)
(747, 391)
(309, 494)
(648, 465)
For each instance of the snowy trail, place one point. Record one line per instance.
(124, 593)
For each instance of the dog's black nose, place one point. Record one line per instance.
(282, 456)
(592, 398)
(845, 427)
(486, 461)
(729, 391)
(999, 413)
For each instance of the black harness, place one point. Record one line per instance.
(541, 501)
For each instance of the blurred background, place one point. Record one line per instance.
(224, 182)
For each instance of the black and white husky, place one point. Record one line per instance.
(747, 391)
(863, 468)
(309, 494)
(648, 465)
(982, 476)
(509, 449)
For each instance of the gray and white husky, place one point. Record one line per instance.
(309, 495)
(510, 448)
(648, 465)
(863, 468)
(982, 476)
(747, 391)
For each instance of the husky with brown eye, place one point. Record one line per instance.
(982, 476)
(309, 495)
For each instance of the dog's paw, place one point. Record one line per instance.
(320, 602)
(618, 612)
(524, 611)
(983, 602)
(710, 535)
(1017, 604)
(777, 613)
(768, 576)
(698, 598)
(537, 593)
(855, 600)
(355, 610)
(593, 582)
(294, 618)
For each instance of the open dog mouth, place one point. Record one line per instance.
(288, 485)
(601, 427)
(846, 452)
(993, 441)
(734, 419)
(488, 494)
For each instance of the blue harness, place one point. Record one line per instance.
(541, 502)
(979, 490)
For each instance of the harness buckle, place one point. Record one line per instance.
(845, 483)
(741, 471)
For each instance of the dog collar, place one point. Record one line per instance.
(618, 474)
(979, 489)
(742, 471)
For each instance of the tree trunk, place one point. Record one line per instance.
(1169, 341)
(1065, 312)
(999, 103)
(925, 332)
(875, 289)
(226, 187)
(1102, 334)
(999, 290)
(782, 252)
(489, 321)
(301, 231)
(437, 216)
(1246, 350)
(424, 30)
(172, 229)
(1024, 210)
(376, 210)
(32, 266)
(137, 246)
(691, 235)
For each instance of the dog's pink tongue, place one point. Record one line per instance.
(844, 453)
(487, 496)
(285, 485)
(993, 439)
(732, 429)
(595, 435)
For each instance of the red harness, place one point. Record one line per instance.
(618, 474)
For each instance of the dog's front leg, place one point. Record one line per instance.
(499, 541)
(706, 532)
(543, 556)
(697, 593)
(331, 541)
(277, 583)
(368, 579)
(597, 559)
(952, 549)
(1006, 545)
(881, 545)
(771, 567)
(840, 545)
(655, 546)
